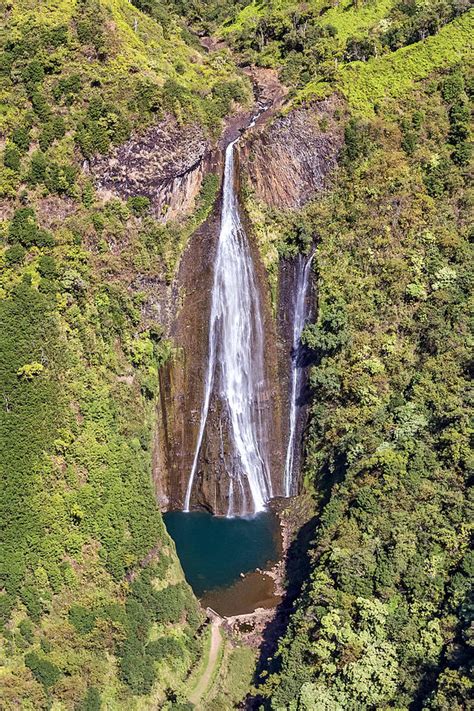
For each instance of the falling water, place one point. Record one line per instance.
(235, 359)
(303, 270)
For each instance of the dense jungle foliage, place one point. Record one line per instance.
(385, 620)
(94, 611)
(93, 607)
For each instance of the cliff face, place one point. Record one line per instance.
(166, 163)
(182, 390)
(286, 162)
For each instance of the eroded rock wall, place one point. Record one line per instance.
(166, 163)
(182, 390)
(286, 161)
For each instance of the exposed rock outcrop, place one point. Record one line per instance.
(182, 388)
(288, 160)
(166, 163)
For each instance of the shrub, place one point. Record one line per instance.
(91, 701)
(148, 97)
(68, 88)
(92, 138)
(60, 179)
(459, 118)
(136, 667)
(55, 37)
(45, 645)
(168, 604)
(165, 647)
(357, 140)
(7, 603)
(33, 73)
(40, 105)
(47, 266)
(38, 167)
(82, 619)
(54, 129)
(89, 25)
(225, 92)
(11, 157)
(330, 331)
(43, 670)
(27, 630)
(139, 205)
(453, 87)
(28, 372)
(21, 137)
(462, 153)
(15, 255)
(24, 230)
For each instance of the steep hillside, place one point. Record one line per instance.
(111, 115)
(94, 606)
(384, 616)
(383, 619)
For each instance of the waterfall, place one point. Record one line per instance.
(235, 367)
(303, 270)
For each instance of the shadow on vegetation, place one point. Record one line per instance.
(298, 565)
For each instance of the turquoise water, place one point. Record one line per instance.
(214, 550)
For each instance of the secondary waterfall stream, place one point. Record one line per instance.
(235, 367)
(300, 314)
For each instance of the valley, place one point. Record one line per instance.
(235, 277)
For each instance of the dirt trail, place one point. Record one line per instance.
(205, 680)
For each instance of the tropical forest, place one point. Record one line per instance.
(235, 305)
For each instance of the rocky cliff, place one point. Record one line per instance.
(286, 161)
(166, 164)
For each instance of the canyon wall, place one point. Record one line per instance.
(166, 163)
(285, 159)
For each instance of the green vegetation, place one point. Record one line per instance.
(92, 606)
(382, 621)
(235, 675)
(367, 84)
(79, 380)
(361, 48)
(94, 612)
(77, 77)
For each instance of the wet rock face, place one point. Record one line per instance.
(166, 164)
(182, 391)
(287, 161)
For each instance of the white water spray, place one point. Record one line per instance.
(235, 359)
(299, 320)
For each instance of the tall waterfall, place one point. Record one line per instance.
(235, 369)
(303, 270)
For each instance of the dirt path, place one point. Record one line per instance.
(205, 680)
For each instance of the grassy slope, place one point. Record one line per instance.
(383, 620)
(366, 84)
(346, 18)
(352, 21)
(76, 425)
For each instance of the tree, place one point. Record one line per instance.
(43, 670)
